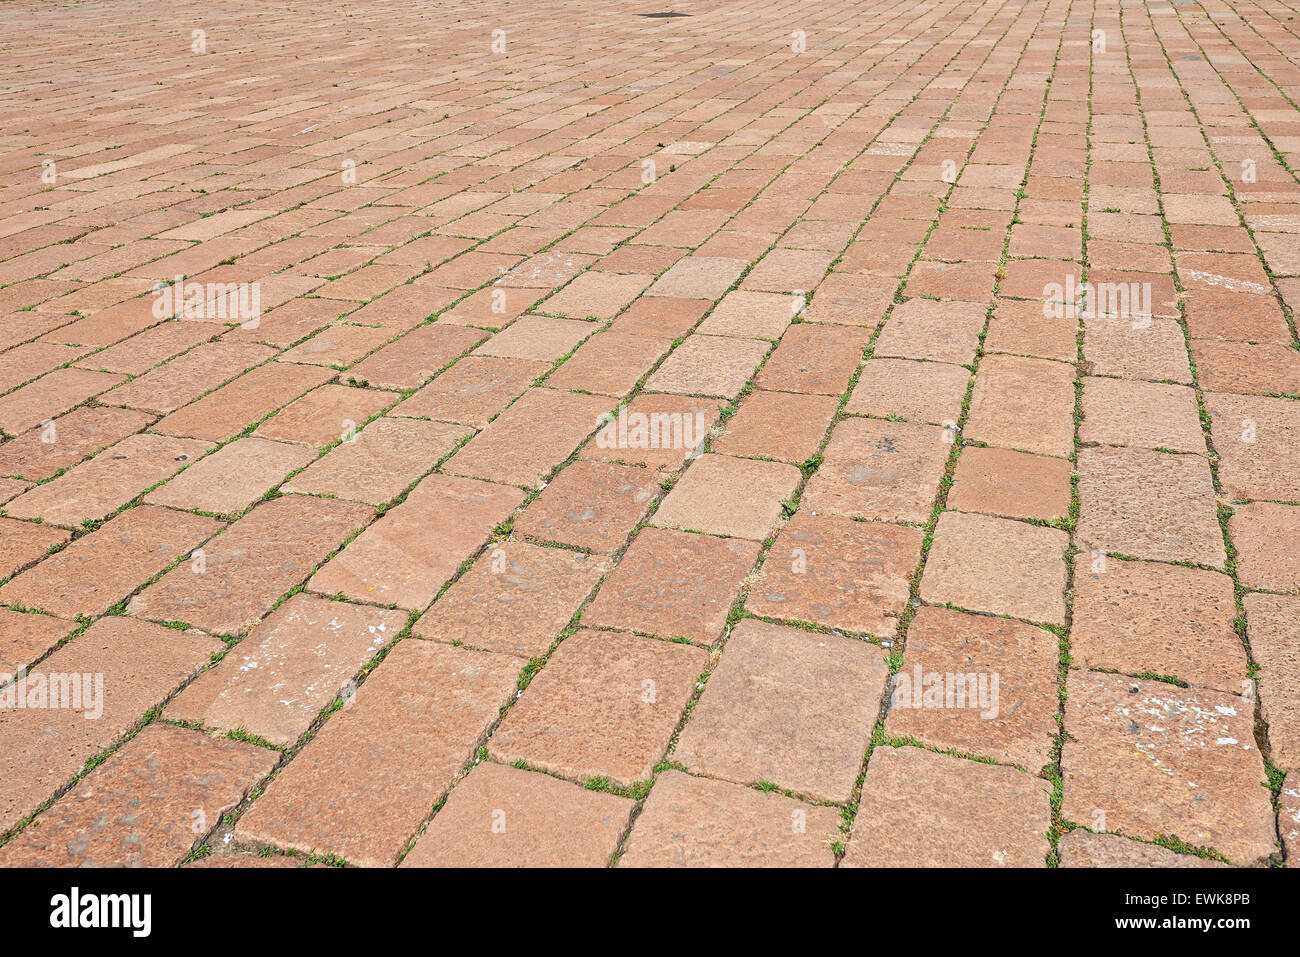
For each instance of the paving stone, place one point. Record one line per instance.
(1148, 505)
(1257, 368)
(755, 315)
(539, 338)
(102, 568)
(595, 295)
(505, 817)
(516, 599)
(1155, 760)
(243, 571)
(610, 363)
(930, 392)
(590, 505)
(921, 809)
(1267, 537)
(674, 584)
(1288, 816)
(132, 667)
(232, 478)
(785, 426)
(146, 806)
(1024, 404)
(977, 685)
(327, 414)
(814, 359)
(1151, 348)
(605, 706)
(25, 637)
(1022, 328)
(1148, 618)
(1257, 440)
(527, 441)
(95, 489)
(661, 316)
(708, 365)
(42, 452)
(363, 785)
(837, 572)
(697, 822)
(295, 662)
(656, 431)
(414, 549)
(998, 566)
(926, 329)
(417, 356)
(1011, 484)
(888, 471)
(472, 391)
(722, 495)
(22, 543)
(1145, 415)
(379, 462)
(338, 346)
(1273, 626)
(223, 414)
(789, 707)
(1081, 848)
(698, 277)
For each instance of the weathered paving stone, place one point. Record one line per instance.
(977, 685)
(146, 806)
(888, 471)
(1156, 760)
(999, 566)
(696, 822)
(1148, 505)
(610, 363)
(51, 395)
(698, 277)
(187, 377)
(813, 359)
(930, 392)
(97, 488)
(413, 550)
(132, 667)
(784, 426)
(276, 681)
(416, 357)
(527, 441)
(1273, 626)
(592, 505)
(242, 572)
(1025, 404)
(674, 584)
(331, 413)
(516, 599)
(102, 568)
(595, 296)
(837, 572)
(42, 452)
(1152, 348)
(604, 706)
(1147, 415)
(1267, 537)
(232, 478)
(363, 785)
(754, 315)
(22, 543)
(721, 495)
(1151, 618)
(380, 462)
(505, 817)
(926, 329)
(25, 637)
(1258, 443)
(473, 390)
(656, 431)
(1081, 848)
(1011, 484)
(708, 365)
(921, 809)
(539, 338)
(787, 706)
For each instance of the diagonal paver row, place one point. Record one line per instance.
(848, 434)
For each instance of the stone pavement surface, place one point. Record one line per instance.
(819, 433)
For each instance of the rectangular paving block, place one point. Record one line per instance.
(233, 478)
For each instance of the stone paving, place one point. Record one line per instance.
(819, 433)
